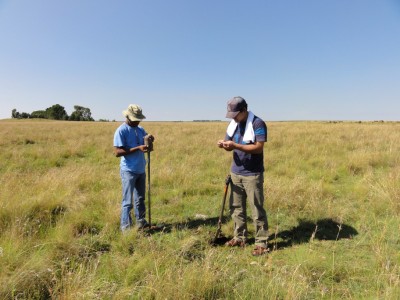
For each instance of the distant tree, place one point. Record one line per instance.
(25, 115)
(17, 115)
(81, 114)
(56, 112)
(40, 114)
(14, 114)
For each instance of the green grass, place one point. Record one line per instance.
(332, 197)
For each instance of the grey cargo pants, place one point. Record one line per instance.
(249, 188)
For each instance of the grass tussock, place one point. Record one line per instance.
(332, 197)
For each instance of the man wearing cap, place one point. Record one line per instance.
(245, 136)
(129, 145)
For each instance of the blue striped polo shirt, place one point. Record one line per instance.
(244, 163)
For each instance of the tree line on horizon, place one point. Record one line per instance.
(56, 112)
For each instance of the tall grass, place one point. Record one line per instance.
(332, 197)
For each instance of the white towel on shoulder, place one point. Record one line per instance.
(249, 136)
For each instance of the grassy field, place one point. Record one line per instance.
(332, 196)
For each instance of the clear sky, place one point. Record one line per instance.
(184, 59)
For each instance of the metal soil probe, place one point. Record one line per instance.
(148, 141)
(228, 180)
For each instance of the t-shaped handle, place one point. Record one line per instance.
(148, 141)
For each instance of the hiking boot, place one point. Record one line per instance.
(235, 243)
(259, 250)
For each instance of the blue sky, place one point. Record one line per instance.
(184, 59)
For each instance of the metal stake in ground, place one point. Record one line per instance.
(148, 141)
(228, 180)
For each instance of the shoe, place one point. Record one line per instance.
(143, 225)
(235, 243)
(259, 250)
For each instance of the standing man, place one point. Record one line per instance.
(245, 136)
(129, 145)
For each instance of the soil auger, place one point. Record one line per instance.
(148, 141)
(219, 238)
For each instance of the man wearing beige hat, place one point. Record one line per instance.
(245, 137)
(130, 146)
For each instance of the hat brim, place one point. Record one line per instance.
(232, 114)
(132, 117)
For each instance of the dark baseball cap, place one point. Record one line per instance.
(235, 106)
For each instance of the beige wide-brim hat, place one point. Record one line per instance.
(134, 113)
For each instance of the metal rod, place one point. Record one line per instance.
(227, 182)
(148, 186)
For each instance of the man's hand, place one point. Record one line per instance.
(255, 148)
(143, 148)
(227, 145)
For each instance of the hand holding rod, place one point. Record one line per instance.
(148, 141)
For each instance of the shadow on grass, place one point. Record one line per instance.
(306, 231)
(189, 224)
